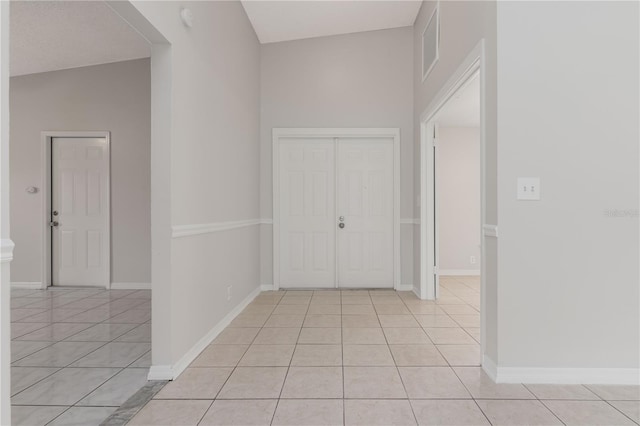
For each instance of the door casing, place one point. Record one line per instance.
(473, 64)
(279, 134)
(47, 138)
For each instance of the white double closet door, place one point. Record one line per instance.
(336, 212)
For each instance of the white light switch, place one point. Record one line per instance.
(528, 188)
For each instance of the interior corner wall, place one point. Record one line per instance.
(215, 153)
(458, 194)
(568, 103)
(112, 97)
(354, 80)
(463, 25)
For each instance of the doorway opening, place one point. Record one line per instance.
(452, 187)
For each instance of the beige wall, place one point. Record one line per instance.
(354, 80)
(113, 97)
(458, 188)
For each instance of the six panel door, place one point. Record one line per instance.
(336, 212)
(307, 212)
(365, 210)
(79, 200)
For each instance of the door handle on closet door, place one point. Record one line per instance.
(341, 225)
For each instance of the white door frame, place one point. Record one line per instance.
(47, 138)
(340, 133)
(473, 64)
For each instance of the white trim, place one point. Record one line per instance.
(416, 291)
(341, 133)
(46, 140)
(267, 287)
(489, 367)
(266, 221)
(490, 231)
(436, 14)
(179, 231)
(459, 272)
(6, 250)
(37, 285)
(594, 376)
(165, 372)
(404, 287)
(409, 221)
(130, 286)
(160, 372)
(474, 63)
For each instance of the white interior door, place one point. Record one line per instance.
(80, 206)
(307, 213)
(365, 212)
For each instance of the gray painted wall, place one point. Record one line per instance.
(113, 97)
(354, 80)
(458, 185)
(214, 175)
(568, 103)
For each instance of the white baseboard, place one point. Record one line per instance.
(160, 372)
(266, 287)
(560, 376)
(130, 286)
(405, 287)
(489, 367)
(460, 272)
(26, 285)
(568, 376)
(166, 372)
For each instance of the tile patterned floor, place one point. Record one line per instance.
(77, 354)
(367, 358)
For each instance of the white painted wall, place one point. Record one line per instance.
(568, 108)
(354, 80)
(214, 167)
(458, 189)
(113, 97)
(463, 24)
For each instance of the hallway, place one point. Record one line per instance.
(366, 357)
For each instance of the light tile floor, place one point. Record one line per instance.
(77, 354)
(375, 357)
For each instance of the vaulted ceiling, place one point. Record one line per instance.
(276, 21)
(55, 35)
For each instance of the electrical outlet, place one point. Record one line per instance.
(472, 260)
(229, 293)
(528, 189)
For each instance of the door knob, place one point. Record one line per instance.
(53, 224)
(341, 218)
(341, 225)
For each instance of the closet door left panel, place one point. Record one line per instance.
(307, 213)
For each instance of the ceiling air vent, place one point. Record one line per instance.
(430, 43)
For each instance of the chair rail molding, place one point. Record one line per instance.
(490, 231)
(179, 231)
(6, 250)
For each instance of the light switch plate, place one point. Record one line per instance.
(528, 188)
